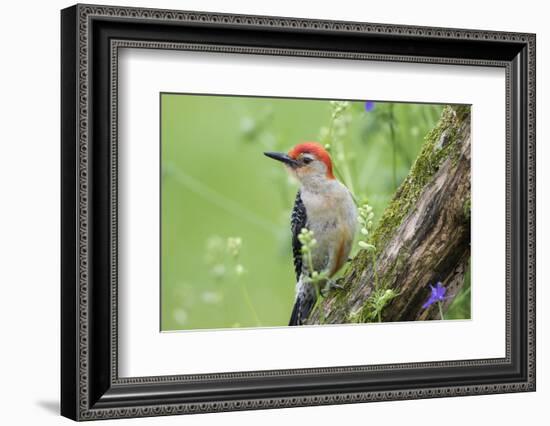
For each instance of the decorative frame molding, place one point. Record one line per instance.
(91, 37)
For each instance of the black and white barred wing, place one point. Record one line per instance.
(298, 220)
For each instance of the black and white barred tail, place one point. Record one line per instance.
(303, 304)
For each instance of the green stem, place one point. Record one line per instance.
(347, 172)
(349, 186)
(394, 147)
(317, 304)
(379, 316)
(250, 304)
(310, 263)
(440, 310)
(246, 294)
(339, 148)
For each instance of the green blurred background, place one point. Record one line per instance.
(226, 256)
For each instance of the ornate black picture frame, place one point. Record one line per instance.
(90, 38)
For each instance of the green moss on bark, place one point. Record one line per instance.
(439, 144)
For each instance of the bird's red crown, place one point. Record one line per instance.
(316, 149)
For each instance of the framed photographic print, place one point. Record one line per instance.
(263, 212)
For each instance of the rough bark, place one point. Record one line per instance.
(423, 236)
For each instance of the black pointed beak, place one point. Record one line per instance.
(282, 157)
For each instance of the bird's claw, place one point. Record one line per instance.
(329, 286)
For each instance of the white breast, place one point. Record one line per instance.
(332, 216)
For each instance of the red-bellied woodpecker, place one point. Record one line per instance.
(326, 207)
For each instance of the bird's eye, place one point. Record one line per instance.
(307, 160)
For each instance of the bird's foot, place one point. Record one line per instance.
(329, 287)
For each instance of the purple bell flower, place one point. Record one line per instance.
(437, 295)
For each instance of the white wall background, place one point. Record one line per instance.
(29, 211)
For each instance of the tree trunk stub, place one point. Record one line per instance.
(423, 236)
